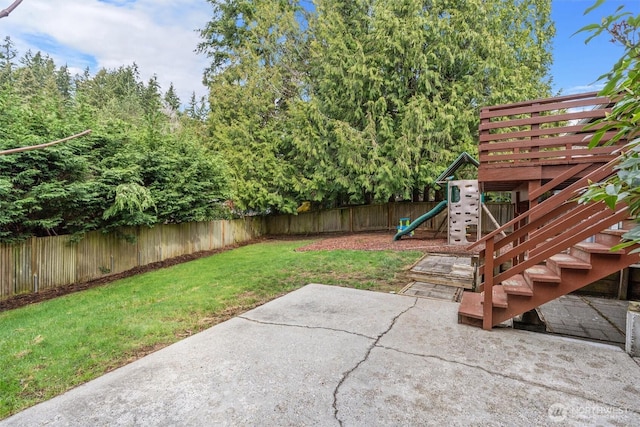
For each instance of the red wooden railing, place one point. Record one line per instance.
(542, 132)
(545, 230)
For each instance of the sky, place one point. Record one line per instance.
(158, 35)
(577, 65)
(161, 36)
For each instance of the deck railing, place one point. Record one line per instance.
(543, 132)
(545, 230)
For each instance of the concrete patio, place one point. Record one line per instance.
(336, 356)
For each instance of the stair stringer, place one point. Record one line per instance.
(571, 280)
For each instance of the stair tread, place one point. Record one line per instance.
(541, 273)
(568, 261)
(597, 248)
(517, 285)
(471, 305)
(500, 297)
(618, 232)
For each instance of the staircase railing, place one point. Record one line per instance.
(546, 229)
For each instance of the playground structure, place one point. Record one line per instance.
(463, 204)
(464, 211)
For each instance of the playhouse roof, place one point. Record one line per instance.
(463, 159)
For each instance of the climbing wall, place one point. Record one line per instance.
(464, 212)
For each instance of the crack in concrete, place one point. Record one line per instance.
(293, 325)
(377, 339)
(364, 359)
(510, 377)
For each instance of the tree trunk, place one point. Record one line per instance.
(368, 198)
(415, 196)
(425, 194)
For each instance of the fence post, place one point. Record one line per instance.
(34, 255)
(350, 219)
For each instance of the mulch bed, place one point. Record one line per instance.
(383, 241)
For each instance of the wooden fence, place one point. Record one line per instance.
(42, 263)
(48, 262)
(373, 218)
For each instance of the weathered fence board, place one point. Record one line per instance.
(172, 236)
(502, 212)
(199, 237)
(100, 254)
(380, 217)
(149, 245)
(7, 272)
(54, 263)
(22, 263)
(333, 221)
(370, 217)
(49, 262)
(241, 230)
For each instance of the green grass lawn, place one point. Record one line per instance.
(50, 347)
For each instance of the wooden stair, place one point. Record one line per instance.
(556, 247)
(559, 275)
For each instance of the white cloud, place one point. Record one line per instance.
(158, 35)
(594, 87)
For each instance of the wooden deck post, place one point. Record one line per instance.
(487, 309)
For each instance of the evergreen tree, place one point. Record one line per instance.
(254, 76)
(363, 100)
(397, 85)
(135, 168)
(7, 55)
(171, 98)
(64, 82)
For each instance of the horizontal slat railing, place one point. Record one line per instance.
(573, 139)
(545, 104)
(572, 155)
(537, 120)
(544, 131)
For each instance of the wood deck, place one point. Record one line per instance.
(537, 141)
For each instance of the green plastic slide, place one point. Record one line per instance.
(415, 224)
